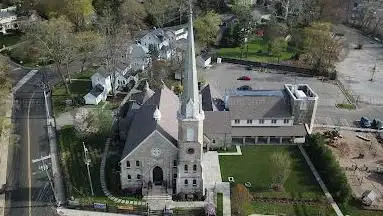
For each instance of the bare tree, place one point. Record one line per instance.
(88, 43)
(115, 46)
(241, 200)
(52, 38)
(280, 163)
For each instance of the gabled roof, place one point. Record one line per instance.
(97, 90)
(143, 123)
(259, 106)
(207, 103)
(218, 122)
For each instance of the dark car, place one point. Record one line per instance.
(365, 122)
(377, 124)
(249, 67)
(244, 88)
(244, 78)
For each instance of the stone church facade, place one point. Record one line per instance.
(164, 137)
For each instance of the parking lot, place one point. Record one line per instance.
(224, 76)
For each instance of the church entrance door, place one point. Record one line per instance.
(158, 176)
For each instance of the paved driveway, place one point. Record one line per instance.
(224, 76)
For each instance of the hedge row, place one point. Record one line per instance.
(328, 168)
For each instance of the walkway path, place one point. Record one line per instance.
(103, 183)
(73, 212)
(321, 183)
(213, 181)
(238, 152)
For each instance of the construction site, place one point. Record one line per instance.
(361, 157)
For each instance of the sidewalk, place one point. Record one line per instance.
(321, 183)
(4, 144)
(73, 212)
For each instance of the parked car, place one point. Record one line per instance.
(377, 124)
(249, 67)
(365, 122)
(244, 88)
(244, 78)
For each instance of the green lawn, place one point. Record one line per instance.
(292, 210)
(59, 95)
(257, 52)
(219, 204)
(10, 39)
(345, 106)
(72, 157)
(354, 209)
(253, 166)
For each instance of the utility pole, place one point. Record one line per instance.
(87, 163)
(373, 73)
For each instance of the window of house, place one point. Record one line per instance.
(174, 163)
(261, 121)
(186, 168)
(249, 121)
(190, 151)
(273, 121)
(194, 168)
(127, 164)
(303, 105)
(138, 163)
(138, 176)
(129, 177)
(236, 121)
(194, 182)
(213, 141)
(186, 181)
(286, 121)
(175, 175)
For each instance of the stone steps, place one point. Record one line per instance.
(158, 197)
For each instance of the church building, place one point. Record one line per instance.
(164, 140)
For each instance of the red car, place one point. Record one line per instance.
(244, 78)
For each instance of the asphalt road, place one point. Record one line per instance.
(29, 191)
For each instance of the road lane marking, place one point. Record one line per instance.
(23, 80)
(29, 159)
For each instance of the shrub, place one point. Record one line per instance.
(241, 200)
(333, 75)
(328, 168)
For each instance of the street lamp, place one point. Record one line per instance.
(87, 162)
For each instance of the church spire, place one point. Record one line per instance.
(190, 96)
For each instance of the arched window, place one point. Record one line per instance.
(137, 163)
(186, 168)
(128, 164)
(129, 177)
(194, 182)
(190, 134)
(186, 181)
(174, 163)
(194, 168)
(138, 176)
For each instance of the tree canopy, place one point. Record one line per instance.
(206, 27)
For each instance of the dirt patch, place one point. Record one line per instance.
(360, 159)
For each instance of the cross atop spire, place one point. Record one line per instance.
(190, 79)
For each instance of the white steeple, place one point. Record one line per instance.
(157, 115)
(190, 106)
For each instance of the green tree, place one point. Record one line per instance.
(278, 46)
(78, 12)
(280, 168)
(53, 39)
(241, 200)
(206, 27)
(161, 11)
(320, 48)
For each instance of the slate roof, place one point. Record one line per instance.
(217, 122)
(143, 123)
(207, 103)
(258, 107)
(295, 130)
(97, 90)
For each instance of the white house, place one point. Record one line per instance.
(102, 83)
(164, 40)
(7, 19)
